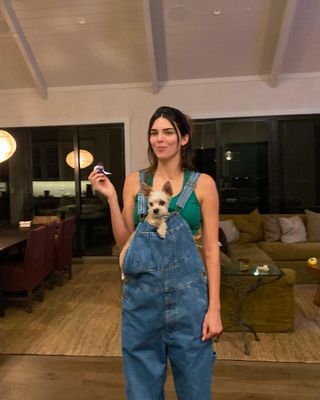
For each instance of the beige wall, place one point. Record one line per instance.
(134, 105)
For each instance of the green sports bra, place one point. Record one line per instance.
(191, 212)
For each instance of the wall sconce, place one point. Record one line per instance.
(8, 145)
(228, 155)
(85, 159)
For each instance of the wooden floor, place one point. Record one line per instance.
(97, 378)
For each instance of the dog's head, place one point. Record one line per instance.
(158, 201)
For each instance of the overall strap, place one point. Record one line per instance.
(142, 201)
(187, 190)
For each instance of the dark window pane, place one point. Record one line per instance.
(299, 150)
(204, 147)
(244, 166)
(106, 142)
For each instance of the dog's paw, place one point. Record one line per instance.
(162, 230)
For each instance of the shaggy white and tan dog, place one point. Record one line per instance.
(158, 212)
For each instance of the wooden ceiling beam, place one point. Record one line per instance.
(150, 45)
(24, 46)
(284, 33)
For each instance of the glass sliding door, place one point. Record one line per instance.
(299, 146)
(53, 184)
(244, 180)
(106, 143)
(204, 144)
(62, 159)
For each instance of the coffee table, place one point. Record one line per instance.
(242, 284)
(316, 270)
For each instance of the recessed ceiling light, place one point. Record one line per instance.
(81, 20)
(217, 11)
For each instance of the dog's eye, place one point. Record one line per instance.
(150, 204)
(162, 203)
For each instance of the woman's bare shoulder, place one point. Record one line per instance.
(205, 179)
(206, 186)
(133, 177)
(131, 184)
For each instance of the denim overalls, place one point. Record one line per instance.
(165, 298)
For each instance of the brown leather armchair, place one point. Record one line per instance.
(28, 274)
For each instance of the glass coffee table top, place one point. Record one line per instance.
(253, 270)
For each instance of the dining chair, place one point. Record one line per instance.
(49, 267)
(63, 248)
(44, 219)
(26, 275)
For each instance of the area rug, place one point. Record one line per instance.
(83, 318)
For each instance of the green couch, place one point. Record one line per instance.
(284, 255)
(271, 307)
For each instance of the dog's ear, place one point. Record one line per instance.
(167, 188)
(145, 189)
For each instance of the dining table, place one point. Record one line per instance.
(10, 237)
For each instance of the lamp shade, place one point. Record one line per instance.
(228, 155)
(7, 145)
(86, 159)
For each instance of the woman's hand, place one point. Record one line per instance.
(212, 325)
(102, 184)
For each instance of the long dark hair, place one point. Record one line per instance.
(181, 123)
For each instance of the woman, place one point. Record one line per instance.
(171, 304)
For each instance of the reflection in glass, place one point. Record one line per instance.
(203, 142)
(56, 190)
(244, 166)
(106, 143)
(85, 159)
(300, 172)
(53, 180)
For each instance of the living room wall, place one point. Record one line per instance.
(133, 105)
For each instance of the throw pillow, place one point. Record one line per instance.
(292, 230)
(229, 229)
(313, 226)
(271, 228)
(249, 226)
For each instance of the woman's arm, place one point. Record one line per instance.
(209, 200)
(122, 222)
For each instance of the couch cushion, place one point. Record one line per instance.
(229, 229)
(290, 251)
(271, 228)
(313, 226)
(249, 226)
(292, 230)
(251, 251)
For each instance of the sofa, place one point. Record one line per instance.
(285, 240)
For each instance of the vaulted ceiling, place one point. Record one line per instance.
(65, 43)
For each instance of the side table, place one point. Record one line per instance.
(316, 270)
(242, 283)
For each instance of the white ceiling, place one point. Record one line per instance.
(63, 43)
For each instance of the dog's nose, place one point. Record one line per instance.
(156, 211)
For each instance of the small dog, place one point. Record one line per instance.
(158, 206)
(158, 212)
